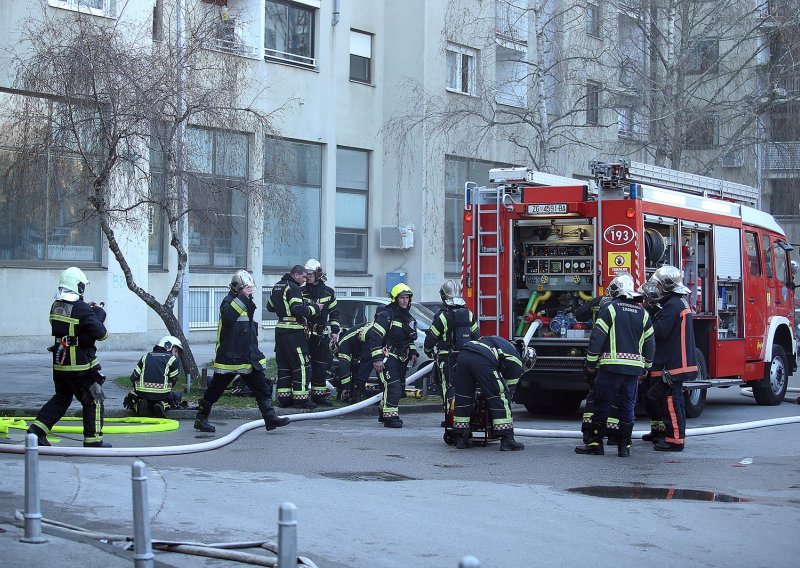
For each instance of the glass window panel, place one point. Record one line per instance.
(452, 60)
(753, 259)
(293, 237)
(294, 163)
(217, 227)
(156, 224)
(73, 234)
(767, 255)
(352, 168)
(199, 150)
(781, 266)
(351, 210)
(231, 154)
(351, 251)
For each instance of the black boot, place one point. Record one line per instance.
(98, 444)
(594, 446)
(41, 436)
(586, 426)
(509, 444)
(613, 431)
(304, 404)
(157, 409)
(271, 419)
(322, 401)
(664, 446)
(656, 432)
(463, 440)
(201, 422)
(392, 422)
(624, 441)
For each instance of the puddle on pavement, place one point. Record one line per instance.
(368, 476)
(664, 493)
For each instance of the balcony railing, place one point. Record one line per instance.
(781, 156)
(290, 57)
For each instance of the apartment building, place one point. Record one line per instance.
(388, 108)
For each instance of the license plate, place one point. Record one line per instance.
(547, 208)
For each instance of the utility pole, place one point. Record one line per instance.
(180, 165)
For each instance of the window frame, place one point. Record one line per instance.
(463, 53)
(766, 249)
(753, 261)
(698, 61)
(710, 125)
(273, 55)
(107, 11)
(349, 230)
(594, 20)
(593, 91)
(368, 79)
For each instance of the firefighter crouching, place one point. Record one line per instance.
(154, 378)
(391, 344)
(76, 325)
(237, 353)
(675, 360)
(495, 365)
(453, 326)
(355, 363)
(622, 346)
(316, 292)
(291, 343)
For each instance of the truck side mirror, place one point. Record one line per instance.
(795, 266)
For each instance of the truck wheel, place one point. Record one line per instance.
(449, 438)
(771, 390)
(694, 400)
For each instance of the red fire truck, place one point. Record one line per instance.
(537, 247)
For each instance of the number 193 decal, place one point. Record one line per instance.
(618, 235)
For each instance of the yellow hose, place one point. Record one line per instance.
(130, 425)
(585, 296)
(545, 296)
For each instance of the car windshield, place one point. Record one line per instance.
(423, 316)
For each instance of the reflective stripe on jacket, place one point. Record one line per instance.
(622, 339)
(286, 300)
(237, 337)
(156, 372)
(675, 345)
(501, 353)
(76, 326)
(452, 327)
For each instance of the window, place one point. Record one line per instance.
(703, 57)
(767, 255)
(511, 74)
(511, 20)
(593, 20)
(289, 31)
(593, 102)
(291, 219)
(352, 201)
(458, 171)
(784, 197)
(96, 7)
(158, 21)
(753, 258)
(702, 132)
(360, 56)
(217, 172)
(781, 266)
(460, 62)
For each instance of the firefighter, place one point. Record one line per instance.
(319, 326)
(675, 360)
(453, 326)
(652, 297)
(495, 365)
(237, 353)
(622, 346)
(355, 363)
(391, 345)
(154, 378)
(76, 325)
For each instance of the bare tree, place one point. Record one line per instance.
(107, 95)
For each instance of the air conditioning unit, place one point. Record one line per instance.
(397, 237)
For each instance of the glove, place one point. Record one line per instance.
(378, 365)
(344, 394)
(97, 392)
(414, 358)
(590, 373)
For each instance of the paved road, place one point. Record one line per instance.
(370, 496)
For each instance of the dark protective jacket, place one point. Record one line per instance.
(674, 333)
(287, 301)
(622, 339)
(395, 329)
(591, 309)
(76, 326)
(502, 354)
(156, 373)
(319, 292)
(452, 327)
(237, 337)
(352, 342)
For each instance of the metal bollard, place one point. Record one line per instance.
(287, 536)
(469, 562)
(142, 544)
(33, 513)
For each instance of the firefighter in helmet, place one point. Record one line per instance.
(391, 344)
(495, 365)
(675, 360)
(76, 325)
(154, 378)
(453, 326)
(621, 349)
(291, 341)
(323, 328)
(355, 363)
(237, 353)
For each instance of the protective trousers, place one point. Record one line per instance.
(256, 380)
(291, 356)
(393, 379)
(320, 351)
(475, 370)
(652, 407)
(612, 424)
(446, 365)
(612, 387)
(673, 414)
(57, 406)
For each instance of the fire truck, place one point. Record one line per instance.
(537, 247)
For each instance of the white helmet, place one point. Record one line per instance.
(450, 293)
(623, 286)
(241, 279)
(312, 265)
(170, 341)
(669, 279)
(72, 284)
(527, 356)
(650, 291)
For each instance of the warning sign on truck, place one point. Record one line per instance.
(619, 262)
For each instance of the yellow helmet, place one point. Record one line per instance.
(401, 290)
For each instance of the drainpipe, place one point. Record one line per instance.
(336, 12)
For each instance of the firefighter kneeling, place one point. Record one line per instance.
(495, 365)
(622, 346)
(154, 378)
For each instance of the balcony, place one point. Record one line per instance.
(781, 156)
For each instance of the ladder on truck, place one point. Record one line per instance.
(489, 248)
(639, 172)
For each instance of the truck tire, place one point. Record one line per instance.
(771, 390)
(694, 400)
